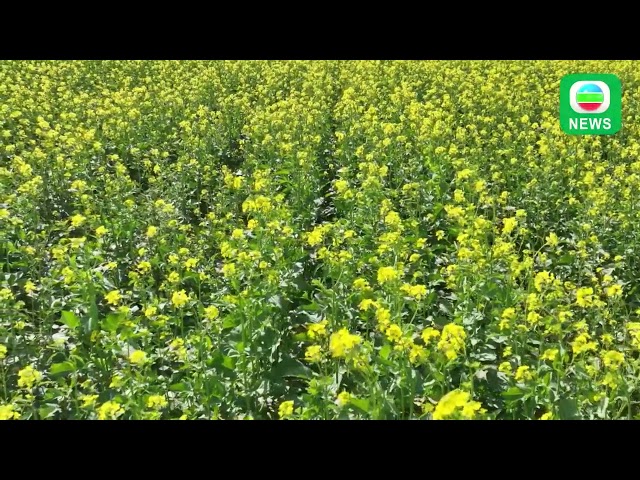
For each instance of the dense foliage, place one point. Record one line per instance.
(314, 240)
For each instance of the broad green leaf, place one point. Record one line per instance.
(566, 259)
(513, 393)
(70, 319)
(230, 321)
(291, 368)
(360, 403)
(48, 411)
(112, 322)
(62, 367)
(385, 351)
(312, 307)
(276, 301)
(486, 357)
(228, 362)
(568, 409)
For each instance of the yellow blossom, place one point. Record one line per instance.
(156, 402)
(614, 291)
(77, 220)
(504, 367)
(137, 357)
(211, 312)
(318, 329)
(366, 304)
(88, 400)
(285, 409)
(342, 342)
(8, 412)
(28, 377)
(613, 359)
(429, 333)
(313, 353)
(179, 298)
(508, 225)
(343, 398)
(393, 332)
(386, 274)
(584, 297)
(113, 297)
(110, 410)
(452, 340)
(523, 373)
(360, 284)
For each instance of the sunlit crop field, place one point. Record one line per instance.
(315, 240)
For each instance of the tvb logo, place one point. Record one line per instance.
(590, 104)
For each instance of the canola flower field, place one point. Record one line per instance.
(315, 240)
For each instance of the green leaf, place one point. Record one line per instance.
(276, 301)
(385, 351)
(312, 307)
(70, 319)
(48, 411)
(62, 367)
(178, 387)
(291, 368)
(229, 321)
(360, 403)
(437, 208)
(112, 322)
(568, 409)
(566, 259)
(91, 320)
(513, 393)
(228, 362)
(430, 298)
(486, 357)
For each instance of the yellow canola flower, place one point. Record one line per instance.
(285, 409)
(509, 225)
(113, 297)
(211, 312)
(110, 410)
(387, 274)
(451, 341)
(313, 354)
(179, 298)
(318, 329)
(28, 377)
(342, 343)
(456, 401)
(343, 398)
(138, 357)
(8, 412)
(77, 220)
(156, 402)
(613, 359)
